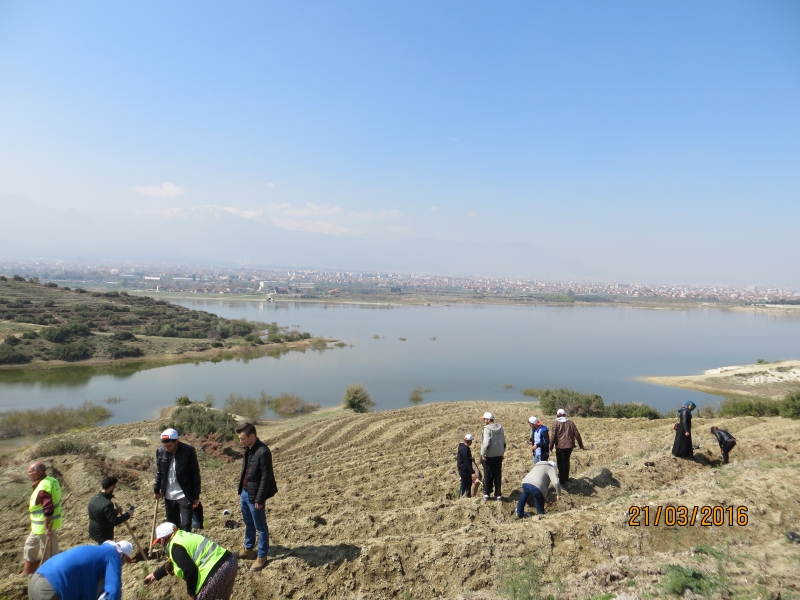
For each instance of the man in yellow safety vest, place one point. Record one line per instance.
(45, 513)
(208, 569)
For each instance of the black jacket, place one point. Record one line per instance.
(187, 471)
(260, 478)
(723, 436)
(464, 460)
(103, 517)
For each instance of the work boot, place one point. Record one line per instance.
(248, 554)
(29, 568)
(259, 564)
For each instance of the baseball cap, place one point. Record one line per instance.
(164, 530)
(533, 420)
(169, 434)
(123, 547)
(561, 412)
(488, 415)
(468, 437)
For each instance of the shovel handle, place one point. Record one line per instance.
(136, 540)
(153, 530)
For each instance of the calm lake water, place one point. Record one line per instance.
(477, 350)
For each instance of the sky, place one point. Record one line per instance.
(636, 141)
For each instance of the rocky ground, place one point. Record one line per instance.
(367, 509)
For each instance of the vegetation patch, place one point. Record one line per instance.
(290, 405)
(63, 445)
(357, 399)
(246, 406)
(58, 419)
(521, 580)
(789, 407)
(201, 422)
(677, 579)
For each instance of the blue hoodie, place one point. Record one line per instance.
(74, 574)
(540, 436)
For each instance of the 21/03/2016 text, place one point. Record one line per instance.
(685, 516)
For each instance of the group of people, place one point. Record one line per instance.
(89, 572)
(536, 483)
(683, 447)
(562, 437)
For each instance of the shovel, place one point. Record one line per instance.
(135, 539)
(153, 531)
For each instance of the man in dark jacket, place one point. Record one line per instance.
(726, 442)
(464, 464)
(565, 433)
(104, 515)
(177, 479)
(256, 486)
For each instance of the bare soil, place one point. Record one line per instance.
(367, 507)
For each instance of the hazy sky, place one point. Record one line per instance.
(634, 140)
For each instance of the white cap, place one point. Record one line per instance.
(533, 420)
(123, 547)
(488, 415)
(169, 434)
(165, 530)
(561, 412)
(468, 437)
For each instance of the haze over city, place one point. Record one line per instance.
(627, 142)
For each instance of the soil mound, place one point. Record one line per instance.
(367, 507)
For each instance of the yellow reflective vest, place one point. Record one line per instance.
(205, 554)
(52, 487)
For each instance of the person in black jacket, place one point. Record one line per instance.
(682, 447)
(726, 442)
(177, 479)
(105, 515)
(256, 486)
(465, 466)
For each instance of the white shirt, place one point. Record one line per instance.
(174, 490)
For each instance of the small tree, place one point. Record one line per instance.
(357, 399)
(790, 406)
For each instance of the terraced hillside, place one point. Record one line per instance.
(367, 508)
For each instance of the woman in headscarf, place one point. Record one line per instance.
(682, 447)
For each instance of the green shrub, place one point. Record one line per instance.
(247, 407)
(521, 581)
(71, 352)
(575, 403)
(532, 392)
(416, 396)
(123, 336)
(124, 351)
(677, 579)
(290, 405)
(633, 410)
(53, 420)
(183, 401)
(790, 406)
(11, 340)
(357, 399)
(12, 356)
(202, 422)
(30, 334)
(59, 446)
(743, 407)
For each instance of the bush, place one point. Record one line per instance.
(250, 408)
(183, 401)
(124, 351)
(532, 392)
(416, 396)
(71, 352)
(12, 356)
(290, 405)
(743, 407)
(357, 399)
(202, 422)
(30, 334)
(53, 420)
(11, 340)
(631, 411)
(253, 338)
(59, 446)
(790, 406)
(575, 403)
(123, 336)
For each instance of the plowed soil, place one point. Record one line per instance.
(367, 507)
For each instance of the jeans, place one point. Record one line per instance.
(562, 459)
(492, 475)
(179, 512)
(466, 484)
(530, 491)
(255, 519)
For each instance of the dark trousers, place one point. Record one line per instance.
(726, 450)
(179, 512)
(492, 475)
(562, 460)
(466, 484)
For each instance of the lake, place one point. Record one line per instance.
(477, 350)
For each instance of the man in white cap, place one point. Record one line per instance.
(82, 573)
(208, 569)
(540, 440)
(493, 447)
(564, 435)
(177, 479)
(535, 485)
(464, 463)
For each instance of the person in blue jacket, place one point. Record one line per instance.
(82, 573)
(540, 440)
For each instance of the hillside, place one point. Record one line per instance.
(43, 325)
(366, 507)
